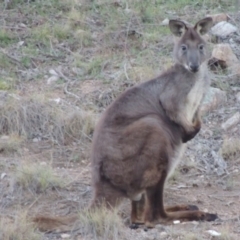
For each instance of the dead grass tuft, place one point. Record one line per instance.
(10, 144)
(18, 228)
(102, 223)
(230, 149)
(45, 120)
(36, 178)
(79, 124)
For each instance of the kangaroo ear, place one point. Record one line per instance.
(204, 25)
(178, 28)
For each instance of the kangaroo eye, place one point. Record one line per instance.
(201, 47)
(184, 48)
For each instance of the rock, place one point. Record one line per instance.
(231, 122)
(224, 52)
(64, 236)
(3, 175)
(35, 140)
(213, 99)
(19, 44)
(176, 222)
(52, 79)
(53, 72)
(165, 22)
(238, 97)
(223, 56)
(219, 17)
(223, 29)
(214, 233)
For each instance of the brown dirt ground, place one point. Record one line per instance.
(197, 180)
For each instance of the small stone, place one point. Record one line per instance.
(176, 222)
(43, 163)
(35, 140)
(223, 29)
(19, 44)
(165, 22)
(56, 100)
(53, 72)
(214, 233)
(52, 79)
(231, 122)
(3, 175)
(22, 25)
(65, 236)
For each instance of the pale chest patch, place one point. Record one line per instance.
(194, 98)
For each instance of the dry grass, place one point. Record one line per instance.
(11, 144)
(45, 120)
(117, 43)
(230, 149)
(18, 228)
(37, 178)
(102, 223)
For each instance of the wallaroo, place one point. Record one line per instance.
(142, 135)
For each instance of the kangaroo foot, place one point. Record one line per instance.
(210, 217)
(181, 208)
(134, 226)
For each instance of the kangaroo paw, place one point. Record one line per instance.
(134, 226)
(210, 217)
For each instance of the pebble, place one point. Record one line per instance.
(176, 222)
(65, 236)
(223, 29)
(3, 175)
(214, 233)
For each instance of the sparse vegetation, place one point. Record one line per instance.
(11, 144)
(18, 228)
(37, 178)
(38, 117)
(102, 223)
(114, 45)
(231, 149)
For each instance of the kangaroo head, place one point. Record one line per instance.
(190, 50)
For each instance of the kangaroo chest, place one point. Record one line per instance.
(194, 98)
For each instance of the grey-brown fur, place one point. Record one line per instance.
(140, 137)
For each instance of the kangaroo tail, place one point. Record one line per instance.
(56, 224)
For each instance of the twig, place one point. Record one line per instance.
(66, 85)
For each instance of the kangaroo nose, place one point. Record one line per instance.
(194, 68)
